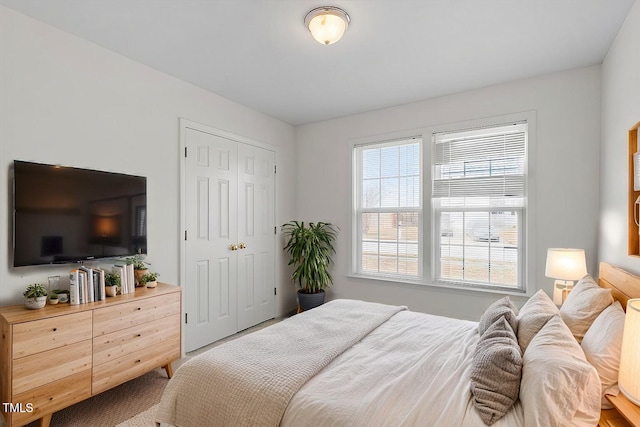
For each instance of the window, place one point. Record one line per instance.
(478, 192)
(388, 208)
(476, 197)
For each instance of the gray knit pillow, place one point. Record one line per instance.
(496, 370)
(502, 307)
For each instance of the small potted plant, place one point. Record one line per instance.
(111, 284)
(63, 294)
(139, 267)
(35, 296)
(53, 298)
(310, 248)
(150, 280)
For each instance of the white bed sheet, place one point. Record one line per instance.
(410, 371)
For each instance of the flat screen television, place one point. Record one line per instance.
(65, 215)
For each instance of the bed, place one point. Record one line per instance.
(353, 363)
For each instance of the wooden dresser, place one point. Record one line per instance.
(62, 354)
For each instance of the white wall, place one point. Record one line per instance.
(66, 101)
(567, 106)
(620, 111)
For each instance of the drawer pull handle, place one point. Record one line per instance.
(139, 308)
(55, 329)
(139, 335)
(138, 361)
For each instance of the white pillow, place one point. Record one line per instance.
(534, 314)
(559, 387)
(583, 304)
(602, 345)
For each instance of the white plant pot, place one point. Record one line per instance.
(35, 303)
(152, 284)
(111, 291)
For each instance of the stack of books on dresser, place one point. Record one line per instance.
(127, 278)
(87, 284)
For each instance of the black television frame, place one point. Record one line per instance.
(131, 231)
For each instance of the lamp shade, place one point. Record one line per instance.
(566, 264)
(327, 24)
(629, 373)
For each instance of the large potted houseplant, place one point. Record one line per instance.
(310, 247)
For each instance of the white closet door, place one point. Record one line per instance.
(256, 235)
(211, 174)
(229, 251)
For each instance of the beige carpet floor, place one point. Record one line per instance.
(116, 405)
(143, 419)
(132, 403)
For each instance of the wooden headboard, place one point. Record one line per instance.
(623, 284)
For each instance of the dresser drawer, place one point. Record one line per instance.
(120, 343)
(43, 368)
(132, 365)
(53, 396)
(54, 332)
(126, 315)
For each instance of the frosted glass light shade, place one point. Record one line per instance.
(327, 24)
(629, 373)
(566, 264)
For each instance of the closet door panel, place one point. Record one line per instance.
(211, 185)
(256, 235)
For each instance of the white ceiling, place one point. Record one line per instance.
(259, 54)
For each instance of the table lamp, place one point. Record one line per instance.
(629, 373)
(565, 265)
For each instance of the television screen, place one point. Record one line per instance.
(64, 214)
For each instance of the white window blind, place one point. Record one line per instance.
(480, 166)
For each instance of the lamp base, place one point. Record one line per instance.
(561, 289)
(633, 399)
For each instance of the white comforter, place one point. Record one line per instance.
(249, 381)
(374, 365)
(413, 370)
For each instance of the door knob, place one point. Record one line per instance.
(242, 246)
(233, 247)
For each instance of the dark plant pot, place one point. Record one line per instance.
(309, 301)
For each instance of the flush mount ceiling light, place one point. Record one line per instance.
(327, 23)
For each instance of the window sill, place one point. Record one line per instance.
(395, 281)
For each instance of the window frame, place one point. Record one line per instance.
(427, 247)
(357, 210)
(436, 212)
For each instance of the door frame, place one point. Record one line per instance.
(185, 124)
